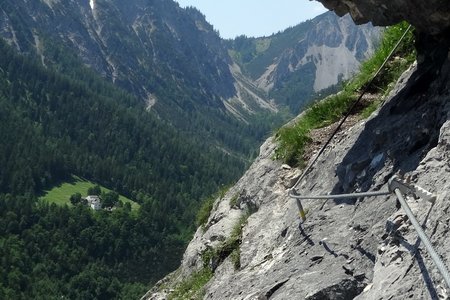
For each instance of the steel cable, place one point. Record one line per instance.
(310, 166)
(341, 196)
(424, 238)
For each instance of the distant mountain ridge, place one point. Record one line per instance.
(294, 64)
(169, 57)
(175, 61)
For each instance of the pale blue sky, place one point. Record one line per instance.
(254, 17)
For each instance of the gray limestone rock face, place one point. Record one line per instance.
(431, 17)
(363, 248)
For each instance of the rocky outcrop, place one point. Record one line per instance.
(431, 20)
(346, 249)
(364, 248)
(431, 17)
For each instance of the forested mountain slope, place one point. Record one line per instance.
(53, 127)
(168, 57)
(95, 131)
(139, 96)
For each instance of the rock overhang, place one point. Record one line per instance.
(431, 17)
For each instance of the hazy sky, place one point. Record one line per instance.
(254, 17)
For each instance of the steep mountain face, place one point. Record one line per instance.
(346, 249)
(134, 43)
(175, 61)
(169, 57)
(364, 249)
(294, 64)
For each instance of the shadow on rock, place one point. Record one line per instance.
(398, 138)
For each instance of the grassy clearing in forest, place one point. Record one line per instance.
(61, 193)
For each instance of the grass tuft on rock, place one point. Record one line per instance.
(207, 206)
(192, 287)
(292, 141)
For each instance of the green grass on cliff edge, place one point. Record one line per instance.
(293, 140)
(192, 287)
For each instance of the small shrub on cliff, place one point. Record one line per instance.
(204, 211)
(207, 206)
(192, 287)
(212, 258)
(236, 258)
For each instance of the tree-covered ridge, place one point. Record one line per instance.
(169, 58)
(94, 136)
(52, 127)
(53, 252)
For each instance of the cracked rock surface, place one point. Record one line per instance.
(364, 248)
(348, 249)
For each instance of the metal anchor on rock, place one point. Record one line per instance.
(409, 189)
(395, 183)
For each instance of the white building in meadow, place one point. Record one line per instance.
(94, 202)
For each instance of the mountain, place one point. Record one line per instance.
(170, 62)
(255, 245)
(135, 44)
(54, 127)
(175, 61)
(141, 97)
(168, 57)
(293, 65)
